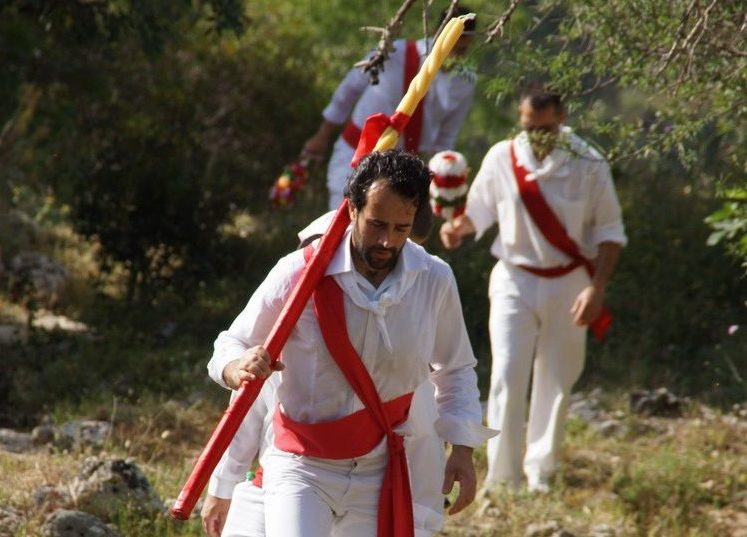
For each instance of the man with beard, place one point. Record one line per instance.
(384, 315)
(560, 232)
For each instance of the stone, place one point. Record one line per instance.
(82, 433)
(10, 521)
(608, 428)
(49, 498)
(14, 441)
(64, 523)
(105, 487)
(660, 402)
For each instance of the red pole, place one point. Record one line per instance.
(247, 394)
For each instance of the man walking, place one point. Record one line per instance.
(433, 127)
(559, 235)
(385, 314)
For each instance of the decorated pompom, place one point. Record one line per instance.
(289, 182)
(449, 184)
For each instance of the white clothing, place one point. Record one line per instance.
(445, 108)
(249, 443)
(531, 328)
(416, 308)
(415, 311)
(246, 516)
(577, 185)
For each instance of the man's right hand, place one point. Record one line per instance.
(254, 364)
(214, 512)
(450, 237)
(316, 147)
(452, 232)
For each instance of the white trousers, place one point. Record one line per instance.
(426, 461)
(312, 497)
(338, 171)
(246, 516)
(531, 334)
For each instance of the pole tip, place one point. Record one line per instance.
(178, 513)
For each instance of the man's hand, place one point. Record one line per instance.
(316, 147)
(587, 306)
(460, 468)
(254, 364)
(214, 512)
(452, 232)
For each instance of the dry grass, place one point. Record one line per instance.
(682, 477)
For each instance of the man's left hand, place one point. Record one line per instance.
(587, 306)
(460, 468)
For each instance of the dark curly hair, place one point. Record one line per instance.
(403, 172)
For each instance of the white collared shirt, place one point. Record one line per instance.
(575, 181)
(415, 312)
(447, 102)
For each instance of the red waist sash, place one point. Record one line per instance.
(344, 438)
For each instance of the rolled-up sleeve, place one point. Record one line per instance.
(607, 223)
(482, 203)
(453, 363)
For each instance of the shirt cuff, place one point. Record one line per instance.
(480, 220)
(216, 366)
(334, 115)
(221, 488)
(463, 433)
(614, 232)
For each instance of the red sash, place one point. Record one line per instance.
(358, 433)
(414, 127)
(552, 229)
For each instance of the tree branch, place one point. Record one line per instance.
(496, 29)
(389, 33)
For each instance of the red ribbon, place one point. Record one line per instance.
(372, 130)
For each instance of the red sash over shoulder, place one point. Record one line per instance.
(410, 127)
(358, 433)
(553, 230)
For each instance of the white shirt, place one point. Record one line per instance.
(447, 102)
(575, 181)
(415, 312)
(252, 438)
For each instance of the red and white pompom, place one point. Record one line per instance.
(449, 185)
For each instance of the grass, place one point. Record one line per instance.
(681, 477)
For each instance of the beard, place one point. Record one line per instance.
(380, 258)
(375, 257)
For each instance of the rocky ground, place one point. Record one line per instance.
(646, 464)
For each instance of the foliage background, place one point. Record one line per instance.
(139, 140)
